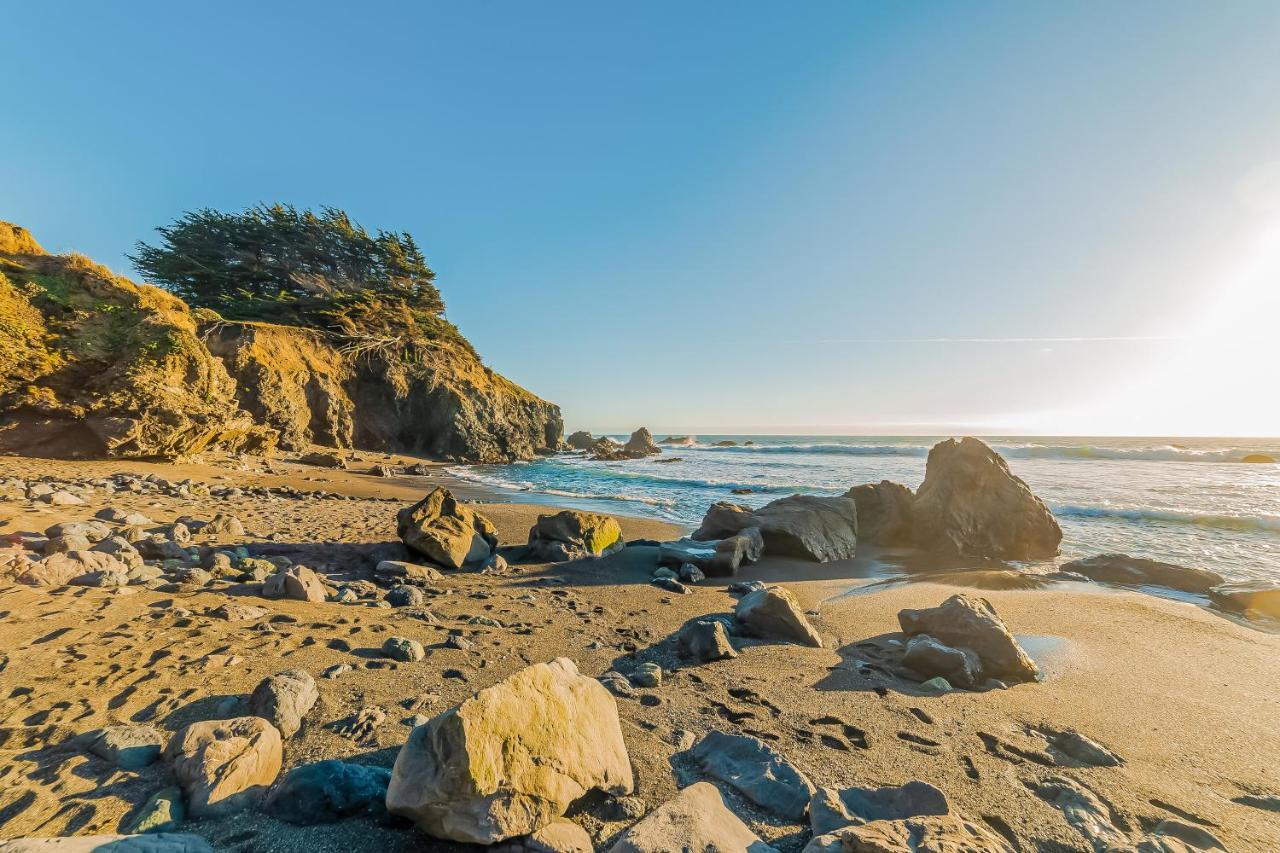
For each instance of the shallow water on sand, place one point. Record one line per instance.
(1190, 501)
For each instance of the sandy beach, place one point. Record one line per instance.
(1186, 698)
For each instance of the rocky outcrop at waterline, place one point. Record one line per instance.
(94, 365)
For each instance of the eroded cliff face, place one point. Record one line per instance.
(431, 399)
(92, 364)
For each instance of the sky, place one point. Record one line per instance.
(834, 217)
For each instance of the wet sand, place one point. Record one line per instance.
(1188, 699)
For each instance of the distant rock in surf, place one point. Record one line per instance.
(638, 446)
(1135, 571)
(580, 440)
(1258, 458)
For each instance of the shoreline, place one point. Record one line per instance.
(1186, 698)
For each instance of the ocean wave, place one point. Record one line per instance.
(1170, 516)
(526, 486)
(1080, 452)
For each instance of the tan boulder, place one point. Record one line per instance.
(296, 582)
(774, 612)
(695, 819)
(60, 568)
(969, 622)
(933, 834)
(510, 759)
(225, 765)
(446, 531)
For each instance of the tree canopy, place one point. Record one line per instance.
(279, 264)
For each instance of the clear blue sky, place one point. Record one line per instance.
(726, 216)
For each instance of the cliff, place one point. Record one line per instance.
(92, 364)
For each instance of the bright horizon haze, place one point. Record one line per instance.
(724, 217)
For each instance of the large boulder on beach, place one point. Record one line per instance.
(971, 505)
(91, 568)
(580, 440)
(297, 583)
(930, 834)
(968, 622)
(1136, 571)
(885, 514)
(327, 791)
(802, 526)
(573, 535)
(773, 612)
(695, 819)
(445, 531)
(512, 758)
(225, 765)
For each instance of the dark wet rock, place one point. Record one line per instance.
(929, 657)
(801, 526)
(328, 791)
(971, 505)
(757, 771)
(830, 809)
(885, 515)
(284, 699)
(573, 535)
(696, 819)
(128, 747)
(1248, 598)
(964, 621)
(445, 531)
(580, 440)
(1134, 571)
(774, 613)
(704, 641)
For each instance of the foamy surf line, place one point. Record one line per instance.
(509, 486)
(1083, 452)
(1269, 523)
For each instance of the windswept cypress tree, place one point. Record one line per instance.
(280, 264)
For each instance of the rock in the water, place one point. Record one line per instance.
(1123, 569)
(1258, 459)
(580, 440)
(284, 699)
(695, 820)
(446, 531)
(152, 842)
(885, 515)
(801, 526)
(705, 640)
(929, 657)
(225, 765)
(774, 612)
(965, 621)
(296, 582)
(830, 810)
(403, 649)
(932, 834)
(753, 768)
(573, 535)
(327, 791)
(1250, 598)
(510, 759)
(971, 505)
(128, 747)
(638, 446)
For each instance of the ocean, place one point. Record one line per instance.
(1188, 501)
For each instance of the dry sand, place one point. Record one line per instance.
(1190, 700)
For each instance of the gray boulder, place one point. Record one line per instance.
(830, 809)
(1135, 571)
(971, 505)
(801, 526)
(327, 791)
(128, 747)
(756, 771)
(929, 657)
(885, 514)
(705, 640)
(928, 834)
(695, 820)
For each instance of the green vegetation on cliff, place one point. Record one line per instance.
(299, 267)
